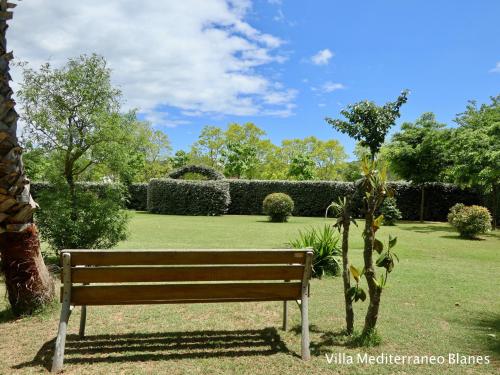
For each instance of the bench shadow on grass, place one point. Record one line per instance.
(139, 347)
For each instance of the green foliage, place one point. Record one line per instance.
(326, 250)
(181, 197)
(389, 209)
(101, 221)
(470, 220)
(369, 123)
(209, 173)
(241, 151)
(180, 159)
(278, 206)
(73, 119)
(301, 168)
(475, 146)
(239, 159)
(418, 152)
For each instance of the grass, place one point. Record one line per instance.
(442, 297)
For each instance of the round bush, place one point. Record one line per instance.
(470, 220)
(278, 206)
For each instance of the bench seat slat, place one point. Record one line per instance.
(201, 273)
(138, 294)
(185, 257)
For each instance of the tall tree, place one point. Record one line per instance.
(29, 285)
(301, 167)
(244, 151)
(208, 149)
(475, 150)
(418, 153)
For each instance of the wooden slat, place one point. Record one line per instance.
(139, 294)
(185, 257)
(211, 273)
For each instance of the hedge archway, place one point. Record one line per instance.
(203, 170)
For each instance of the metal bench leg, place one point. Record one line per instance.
(83, 319)
(285, 315)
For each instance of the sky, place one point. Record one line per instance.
(284, 65)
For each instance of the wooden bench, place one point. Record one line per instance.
(96, 277)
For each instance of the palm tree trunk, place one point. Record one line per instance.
(28, 282)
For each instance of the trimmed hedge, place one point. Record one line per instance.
(439, 198)
(179, 197)
(209, 173)
(138, 197)
(310, 197)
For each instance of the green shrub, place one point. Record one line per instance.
(390, 211)
(180, 197)
(470, 220)
(100, 223)
(326, 249)
(278, 206)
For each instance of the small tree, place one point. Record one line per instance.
(419, 152)
(369, 124)
(73, 113)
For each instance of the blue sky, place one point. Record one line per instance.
(189, 64)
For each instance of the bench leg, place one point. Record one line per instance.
(58, 359)
(305, 353)
(83, 319)
(285, 315)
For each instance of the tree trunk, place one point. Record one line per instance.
(346, 275)
(29, 284)
(422, 200)
(26, 277)
(373, 290)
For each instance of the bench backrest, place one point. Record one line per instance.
(183, 276)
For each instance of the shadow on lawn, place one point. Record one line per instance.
(489, 325)
(327, 339)
(162, 346)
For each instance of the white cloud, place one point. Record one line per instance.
(332, 86)
(496, 69)
(322, 57)
(328, 87)
(201, 57)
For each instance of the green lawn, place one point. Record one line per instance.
(443, 297)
